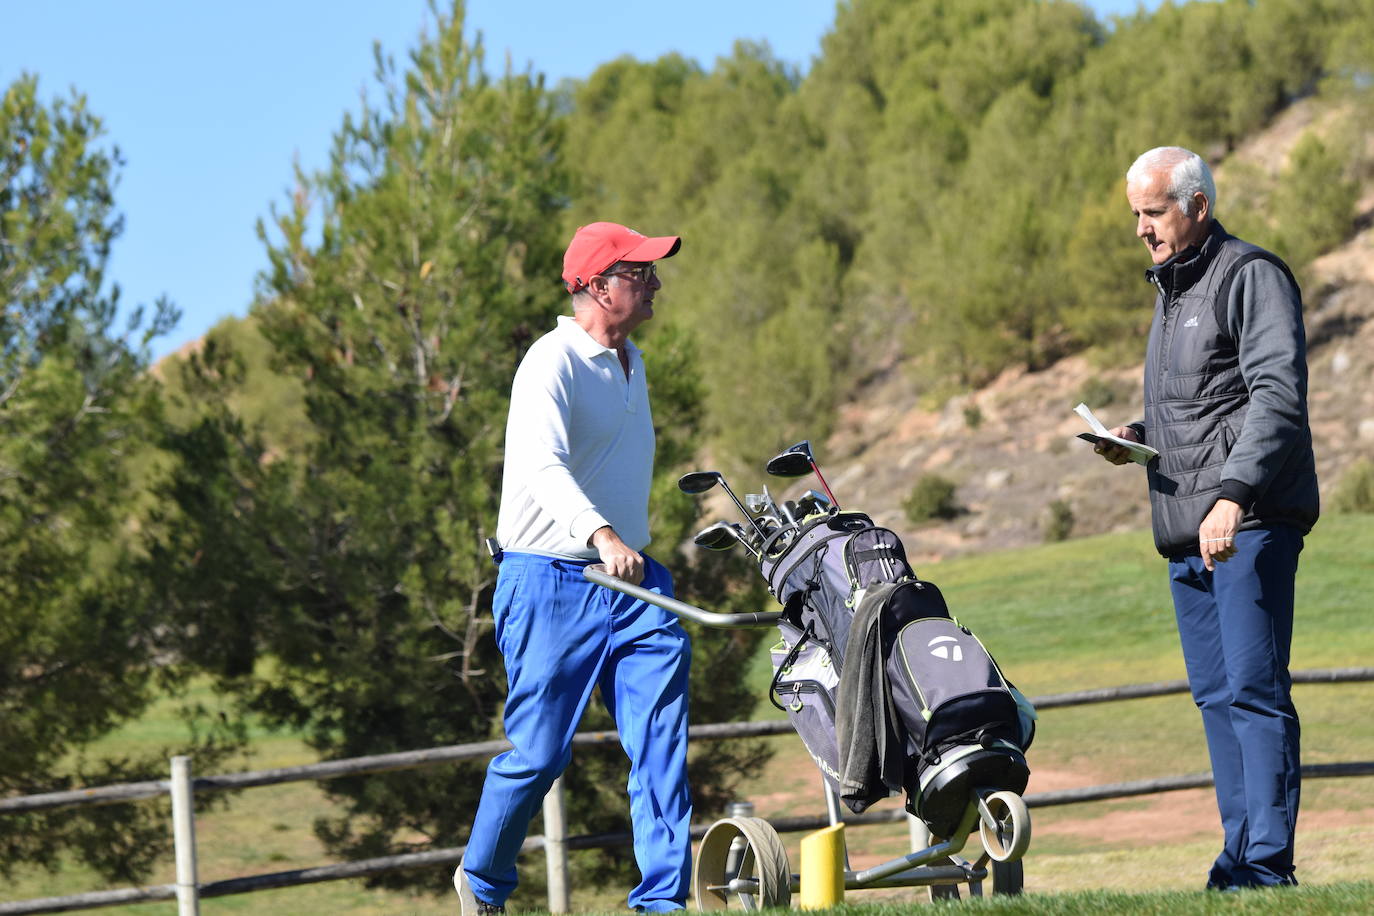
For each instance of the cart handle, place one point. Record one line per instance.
(596, 572)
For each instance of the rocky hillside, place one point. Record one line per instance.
(1011, 447)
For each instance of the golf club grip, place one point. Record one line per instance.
(597, 573)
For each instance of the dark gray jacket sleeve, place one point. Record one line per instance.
(1264, 316)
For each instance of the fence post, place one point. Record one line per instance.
(556, 848)
(184, 836)
(739, 844)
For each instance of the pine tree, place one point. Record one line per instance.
(77, 646)
(341, 587)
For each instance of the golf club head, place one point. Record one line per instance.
(747, 538)
(791, 463)
(717, 536)
(761, 504)
(812, 501)
(695, 482)
(795, 462)
(782, 514)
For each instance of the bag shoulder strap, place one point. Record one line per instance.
(1224, 291)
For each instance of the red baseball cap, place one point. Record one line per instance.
(596, 246)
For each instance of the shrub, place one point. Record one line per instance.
(1314, 203)
(973, 416)
(1096, 393)
(1060, 523)
(932, 497)
(1355, 492)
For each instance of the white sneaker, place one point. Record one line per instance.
(468, 904)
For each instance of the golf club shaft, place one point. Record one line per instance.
(744, 539)
(739, 505)
(788, 509)
(817, 471)
(596, 572)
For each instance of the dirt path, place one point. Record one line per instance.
(1168, 818)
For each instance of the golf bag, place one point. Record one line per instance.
(942, 715)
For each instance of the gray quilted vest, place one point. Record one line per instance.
(1196, 401)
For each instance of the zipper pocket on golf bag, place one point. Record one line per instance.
(804, 558)
(805, 681)
(875, 555)
(946, 686)
(800, 658)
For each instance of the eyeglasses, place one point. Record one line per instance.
(644, 273)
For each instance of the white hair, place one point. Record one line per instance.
(1188, 174)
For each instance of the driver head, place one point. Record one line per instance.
(696, 482)
(795, 462)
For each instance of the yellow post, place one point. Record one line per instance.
(822, 868)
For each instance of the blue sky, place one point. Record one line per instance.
(210, 103)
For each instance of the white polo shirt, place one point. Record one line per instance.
(579, 447)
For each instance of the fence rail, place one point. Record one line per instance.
(380, 763)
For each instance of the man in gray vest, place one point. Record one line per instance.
(1232, 494)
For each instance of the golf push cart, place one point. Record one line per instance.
(890, 694)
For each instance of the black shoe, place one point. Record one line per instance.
(486, 909)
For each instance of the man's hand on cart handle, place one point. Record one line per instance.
(620, 561)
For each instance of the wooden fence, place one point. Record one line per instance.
(182, 786)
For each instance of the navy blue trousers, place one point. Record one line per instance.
(1236, 626)
(562, 636)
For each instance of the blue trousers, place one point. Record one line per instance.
(561, 637)
(1236, 626)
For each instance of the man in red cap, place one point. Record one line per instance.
(579, 462)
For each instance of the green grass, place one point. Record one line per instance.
(1096, 612)
(1340, 899)
(1086, 613)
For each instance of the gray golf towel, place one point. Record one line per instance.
(871, 753)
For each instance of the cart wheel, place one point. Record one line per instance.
(762, 863)
(944, 891)
(1004, 826)
(1007, 877)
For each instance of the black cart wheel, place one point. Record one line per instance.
(1007, 877)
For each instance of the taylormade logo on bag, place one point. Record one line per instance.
(940, 650)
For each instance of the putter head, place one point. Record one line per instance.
(756, 502)
(695, 482)
(795, 462)
(717, 536)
